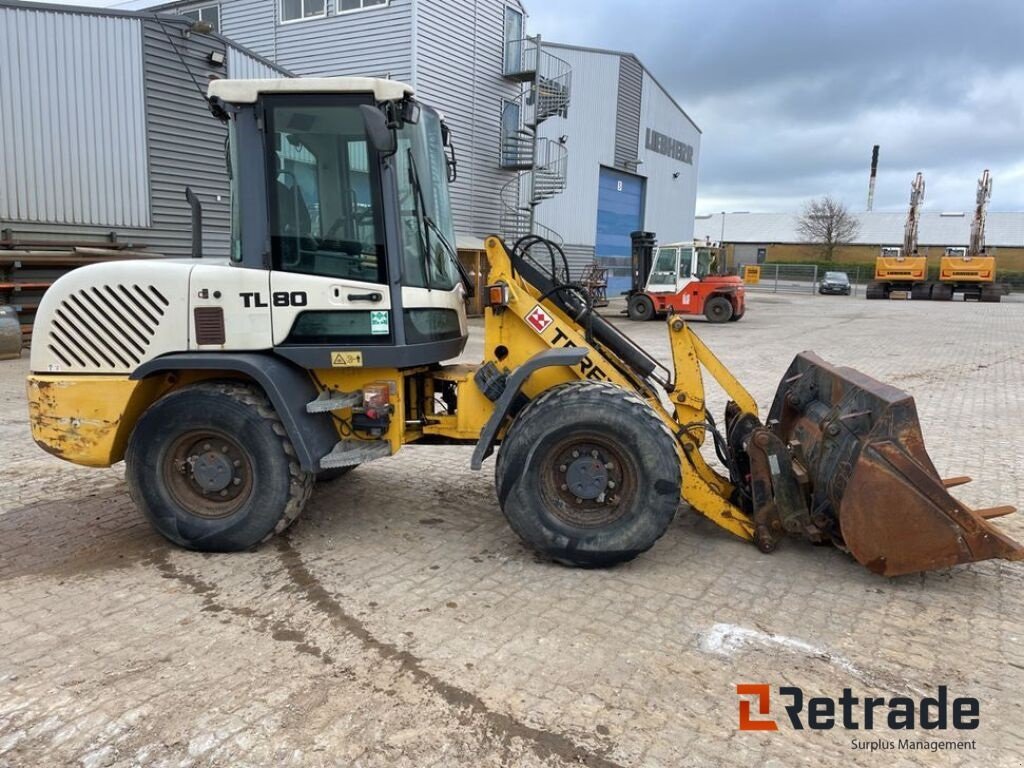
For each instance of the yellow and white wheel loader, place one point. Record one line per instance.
(228, 386)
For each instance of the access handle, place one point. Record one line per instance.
(365, 296)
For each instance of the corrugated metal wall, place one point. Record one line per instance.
(186, 143)
(72, 123)
(252, 23)
(670, 200)
(579, 258)
(376, 42)
(460, 50)
(627, 117)
(243, 65)
(591, 131)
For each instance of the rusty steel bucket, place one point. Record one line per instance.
(857, 451)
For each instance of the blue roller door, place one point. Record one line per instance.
(620, 210)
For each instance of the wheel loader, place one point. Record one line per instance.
(229, 386)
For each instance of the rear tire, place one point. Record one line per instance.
(718, 309)
(942, 292)
(876, 291)
(576, 507)
(640, 307)
(921, 292)
(211, 467)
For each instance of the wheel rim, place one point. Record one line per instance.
(208, 473)
(717, 310)
(587, 481)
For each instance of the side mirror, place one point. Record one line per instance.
(451, 162)
(380, 135)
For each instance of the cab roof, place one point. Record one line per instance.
(247, 91)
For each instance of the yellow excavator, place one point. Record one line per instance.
(971, 271)
(903, 269)
(229, 386)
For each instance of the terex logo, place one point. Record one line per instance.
(853, 713)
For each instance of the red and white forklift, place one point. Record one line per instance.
(684, 279)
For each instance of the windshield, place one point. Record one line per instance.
(839, 277)
(428, 235)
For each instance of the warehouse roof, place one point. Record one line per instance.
(876, 228)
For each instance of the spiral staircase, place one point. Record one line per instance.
(542, 163)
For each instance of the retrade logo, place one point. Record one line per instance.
(849, 712)
(762, 697)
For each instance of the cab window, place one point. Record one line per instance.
(664, 271)
(325, 203)
(685, 263)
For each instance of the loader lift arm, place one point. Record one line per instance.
(832, 438)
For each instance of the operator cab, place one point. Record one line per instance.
(892, 252)
(339, 193)
(676, 266)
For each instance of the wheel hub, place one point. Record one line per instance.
(208, 473)
(212, 471)
(587, 477)
(588, 480)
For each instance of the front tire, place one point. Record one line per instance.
(718, 309)
(212, 469)
(588, 475)
(640, 307)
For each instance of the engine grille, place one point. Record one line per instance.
(107, 326)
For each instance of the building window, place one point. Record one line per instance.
(208, 13)
(347, 6)
(514, 36)
(300, 10)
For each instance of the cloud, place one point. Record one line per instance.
(792, 95)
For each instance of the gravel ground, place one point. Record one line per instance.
(401, 623)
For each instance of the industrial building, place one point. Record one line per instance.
(632, 159)
(104, 125)
(756, 238)
(616, 153)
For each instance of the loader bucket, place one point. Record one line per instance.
(873, 488)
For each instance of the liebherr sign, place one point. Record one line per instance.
(666, 145)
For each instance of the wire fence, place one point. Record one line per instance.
(803, 278)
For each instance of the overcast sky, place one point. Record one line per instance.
(791, 94)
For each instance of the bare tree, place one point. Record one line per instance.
(828, 224)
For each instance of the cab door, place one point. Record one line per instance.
(664, 270)
(329, 284)
(686, 277)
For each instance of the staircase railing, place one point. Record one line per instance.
(542, 163)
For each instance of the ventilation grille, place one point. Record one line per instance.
(209, 323)
(106, 327)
